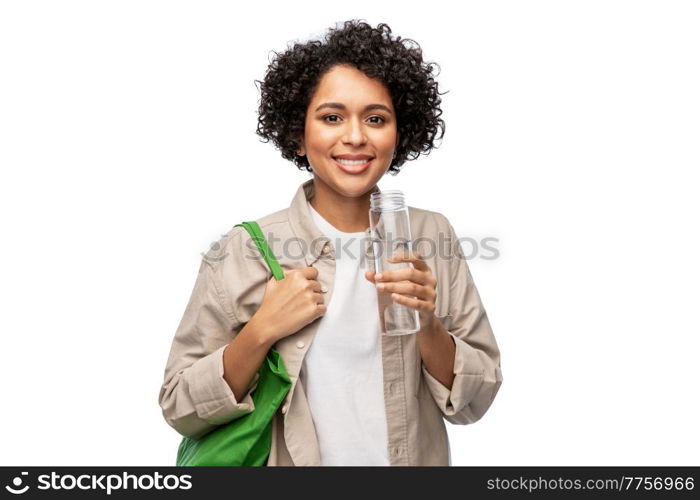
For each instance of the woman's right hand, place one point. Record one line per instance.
(290, 304)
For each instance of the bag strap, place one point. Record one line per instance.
(258, 237)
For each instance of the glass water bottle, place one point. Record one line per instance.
(390, 233)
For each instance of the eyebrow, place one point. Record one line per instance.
(338, 105)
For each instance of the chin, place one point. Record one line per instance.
(355, 187)
(350, 186)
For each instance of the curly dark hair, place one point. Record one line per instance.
(293, 76)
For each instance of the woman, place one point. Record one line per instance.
(347, 109)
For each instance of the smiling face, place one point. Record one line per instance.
(350, 131)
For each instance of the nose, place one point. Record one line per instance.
(354, 133)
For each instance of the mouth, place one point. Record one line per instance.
(353, 167)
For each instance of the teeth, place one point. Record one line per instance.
(351, 162)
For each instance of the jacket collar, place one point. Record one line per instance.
(304, 227)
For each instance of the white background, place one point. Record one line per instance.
(127, 147)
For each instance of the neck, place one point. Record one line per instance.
(346, 214)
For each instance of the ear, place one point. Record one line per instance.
(301, 150)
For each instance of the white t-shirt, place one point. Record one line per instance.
(342, 372)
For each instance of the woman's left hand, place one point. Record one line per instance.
(411, 286)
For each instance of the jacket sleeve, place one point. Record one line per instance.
(195, 398)
(477, 365)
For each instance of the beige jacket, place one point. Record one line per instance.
(229, 288)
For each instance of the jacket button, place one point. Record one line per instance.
(324, 288)
(284, 409)
(300, 344)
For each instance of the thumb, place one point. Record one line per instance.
(275, 280)
(369, 275)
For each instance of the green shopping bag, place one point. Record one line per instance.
(246, 440)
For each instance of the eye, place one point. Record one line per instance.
(336, 119)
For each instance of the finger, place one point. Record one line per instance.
(320, 310)
(369, 275)
(408, 288)
(309, 272)
(406, 273)
(402, 252)
(413, 257)
(318, 298)
(420, 305)
(314, 285)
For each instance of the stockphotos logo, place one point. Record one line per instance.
(17, 487)
(108, 483)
